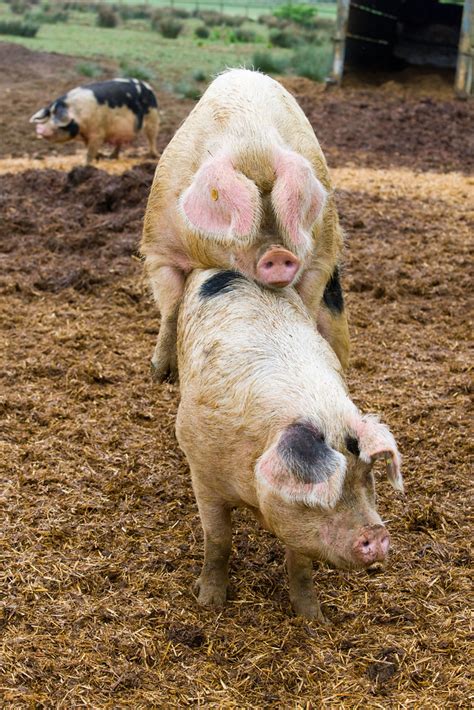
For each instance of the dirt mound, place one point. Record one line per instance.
(75, 226)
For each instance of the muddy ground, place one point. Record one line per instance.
(101, 539)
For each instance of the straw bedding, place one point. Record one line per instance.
(101, 540)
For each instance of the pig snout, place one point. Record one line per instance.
(43, 130)
(277, 267)
(371, 545)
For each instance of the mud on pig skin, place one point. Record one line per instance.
(266, 422)
(102, 112)
(244, 184)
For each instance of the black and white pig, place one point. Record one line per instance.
(103, 112)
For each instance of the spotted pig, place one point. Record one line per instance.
(103, 112)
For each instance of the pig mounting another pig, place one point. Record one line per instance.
(265, 422)
(244, 185)
(103, 112)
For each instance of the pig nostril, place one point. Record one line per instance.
(288, 263)
(365, 544)
(269, 264)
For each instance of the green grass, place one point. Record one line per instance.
(133, 44)
(168, 59)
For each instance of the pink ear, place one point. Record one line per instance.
(325, 491)
(297, 196)
(222, 202)
(376, 441)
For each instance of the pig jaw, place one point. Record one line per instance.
(51, 133)
(353, 544)
(345, 539)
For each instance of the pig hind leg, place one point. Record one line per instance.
(302, 594)
(151, 126)
(214, 579)
(168, 287)
(326, 307)
(333, 327)
(116, 152)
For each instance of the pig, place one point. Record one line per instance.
(266, 422)
(103, 112)
(244, 185)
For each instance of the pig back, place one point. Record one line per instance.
(250, 362)
(247, 115)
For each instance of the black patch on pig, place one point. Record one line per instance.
(133, 94)
(332, 295)
(352, 445)
(72, 128)
(305, 453)
(222, 282)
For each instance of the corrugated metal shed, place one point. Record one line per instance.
(387, 34)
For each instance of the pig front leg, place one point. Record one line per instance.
(151, 126)
(214, 579)
(94, 142)
(302, 594)
(168, 287)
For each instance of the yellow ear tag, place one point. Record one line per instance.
(214, 194)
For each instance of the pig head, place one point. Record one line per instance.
(223, 205)
(321, 502)
(52, 121)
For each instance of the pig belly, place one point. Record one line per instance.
(120, 130)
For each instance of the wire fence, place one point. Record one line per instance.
(247, 7)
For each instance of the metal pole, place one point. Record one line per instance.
(463, 84)
(339, 40)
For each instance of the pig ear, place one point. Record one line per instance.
(302, 468)
(221, 202)
(298, 197)
(40, 116)
(61, 114)
(376, 441)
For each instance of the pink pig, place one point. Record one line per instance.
(244, 185)
(266, 423)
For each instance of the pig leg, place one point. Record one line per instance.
(302, 595)
(151, 126)
(116, 152)
(93, 144)
(333, 327)
(168, 287)
(214, 578)
(326, 307)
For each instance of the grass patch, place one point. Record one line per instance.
(90, 69)
(270, 63)
(187, 90)
(311, 61)
(137, 71)
(18, 28)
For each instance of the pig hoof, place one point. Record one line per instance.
(309, 610)
(163, 374)
(211, 594)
